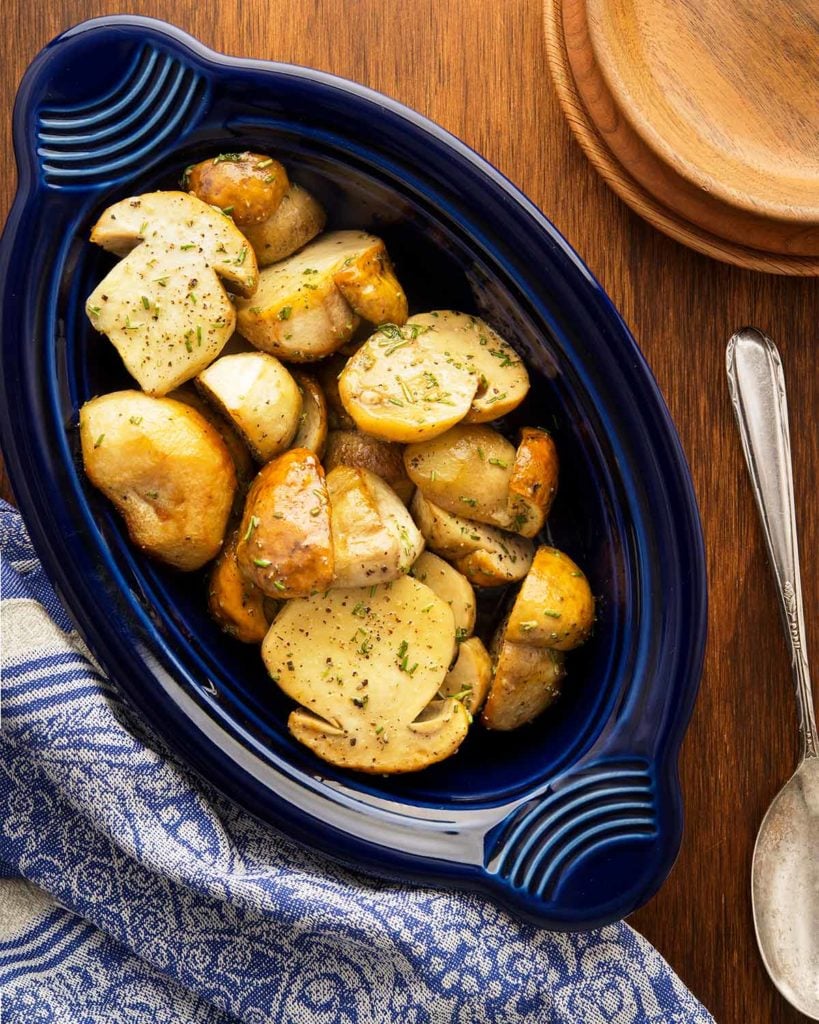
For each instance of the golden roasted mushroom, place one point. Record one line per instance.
(399, 387)
(312, 428)
(374, 537)
(366, 665)
(285, 546)
(474, 472)
(525, 681)
(259, 397)
(297, 220)
(245, 186)
(555, 606)
(360, 451)
(469, 678)
(451, 586)
(532, 482)
(234, 602)
(465, 471)
(165, 469)
(164, 306)
(307, 306)
(487, 556)
(473, 345)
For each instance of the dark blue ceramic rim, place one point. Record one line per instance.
(615, 814)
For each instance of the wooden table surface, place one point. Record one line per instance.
(478, 67)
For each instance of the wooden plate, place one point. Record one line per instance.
(694, 116)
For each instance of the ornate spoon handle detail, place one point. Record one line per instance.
(757, 386)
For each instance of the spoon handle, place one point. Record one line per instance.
(757, 386)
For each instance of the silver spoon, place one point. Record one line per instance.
(785, 869)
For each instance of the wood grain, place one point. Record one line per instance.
(688, 209)
(479, 68)
(722, 98)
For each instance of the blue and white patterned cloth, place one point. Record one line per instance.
(133, 893)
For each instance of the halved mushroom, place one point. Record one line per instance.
(166, 470)
(259, 397)
(248, 187)
(487, 556)
(451, 586)
(360, 451)
(532, 482)
(474, 472)
(285, 546)
(297, 220)
(312, 429)
(234, 602)
(466, 471)
(469, 678)
(307, 306)
(374, 537)
(164, 306)
(399, 388)
(366, 665)
(555, 606)
(525, 681)
(473, 345)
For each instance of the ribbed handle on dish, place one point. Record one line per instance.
(757, 386)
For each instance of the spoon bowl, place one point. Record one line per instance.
(785, 889)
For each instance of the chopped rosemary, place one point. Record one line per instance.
(263, 564)
(254, 522)
(284, 312)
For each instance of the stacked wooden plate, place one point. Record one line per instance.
(703, 115)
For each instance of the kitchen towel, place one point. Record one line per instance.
(132, 892)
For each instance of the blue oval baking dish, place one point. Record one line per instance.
(570, 822)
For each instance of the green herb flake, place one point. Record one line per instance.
(99, 440)
(254, 522)
(379, 730)
(153, 495)
(94, 310)
(472, 502)
(498, 462)
(189, 245)
(461, 634)
(284, 312)
(279, 585)
(264, 163)
(263, 563)
(527, 627)
(232, 158)
(551, 613)
(161, 281)
(360, 610)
